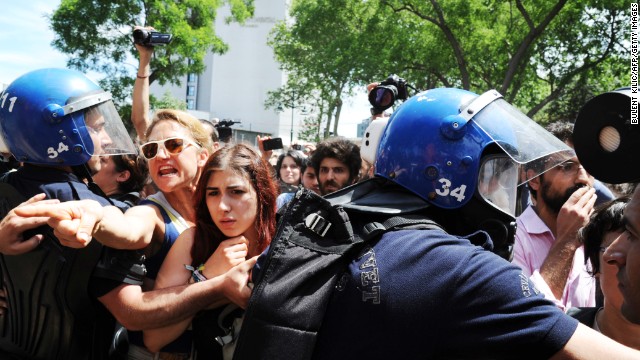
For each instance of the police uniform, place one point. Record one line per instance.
(423, 294)
(53, 311)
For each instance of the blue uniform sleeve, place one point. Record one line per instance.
(495, 308)
(426, 294)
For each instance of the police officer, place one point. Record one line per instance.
(337, 285)
(58, 123)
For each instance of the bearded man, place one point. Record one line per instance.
(546, 246)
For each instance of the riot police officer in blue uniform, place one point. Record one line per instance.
(58, 123)
(62, 301)
(402, 266)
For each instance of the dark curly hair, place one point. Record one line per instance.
(138, 172)
(607, 217)
(342, 150)
(563, 130)
(244, 160)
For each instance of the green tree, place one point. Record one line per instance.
(533, 53)
(96, 35)
(311, 129)
(327, 50)
(167, 101)
(541, 56)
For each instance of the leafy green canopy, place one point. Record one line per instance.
(96, 35)
(547, 57)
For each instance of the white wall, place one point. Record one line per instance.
(234, 85)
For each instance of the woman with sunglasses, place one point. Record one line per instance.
(605, 225)
(235, 219)
(177, 147)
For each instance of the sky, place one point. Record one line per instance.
(26, 39)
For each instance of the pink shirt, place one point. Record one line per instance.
(532, 245)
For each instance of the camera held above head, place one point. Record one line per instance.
(226, 123)
(387, 92)
(151, 38)
(224, 129)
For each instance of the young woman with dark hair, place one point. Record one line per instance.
(288, 170)
(235, 220)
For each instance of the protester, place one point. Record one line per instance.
(337, 164)
(309, 178)
(123, 177)
(234, 202)
(547, 246)
(624, 253)
(604, 227)
(210, 126)
(176, 146)
(288, 170)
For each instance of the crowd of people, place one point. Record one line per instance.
(154, 251)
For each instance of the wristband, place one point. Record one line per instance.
(143, 77)
(196, 275)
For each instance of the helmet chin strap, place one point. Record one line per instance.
(478, 214)
(84, 172)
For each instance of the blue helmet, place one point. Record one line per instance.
(444, 144)
(59, 117)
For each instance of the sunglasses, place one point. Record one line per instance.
(173, 145)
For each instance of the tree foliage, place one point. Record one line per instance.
(167, 101)
(325, 51)
(96, 35)
(547, 57)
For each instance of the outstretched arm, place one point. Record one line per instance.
(137, 310)
(586, 343)
(75, 223)
(13, 225)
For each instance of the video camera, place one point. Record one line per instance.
(224, 129)
(385, 95)
(151, 38)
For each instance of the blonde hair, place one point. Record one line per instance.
(197, 131)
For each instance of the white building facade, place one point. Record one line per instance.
(234, 85)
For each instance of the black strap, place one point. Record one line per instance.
(374, 229)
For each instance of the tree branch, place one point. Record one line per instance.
(534, 32)
(577, 71)
(451, 39)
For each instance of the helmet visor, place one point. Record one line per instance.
(107, 131)
(524, 140)
(498, 182)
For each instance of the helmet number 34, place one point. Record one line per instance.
(61, 148)
(445, 190)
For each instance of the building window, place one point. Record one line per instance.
(191, 104)
(192, 77)
(191, 90)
